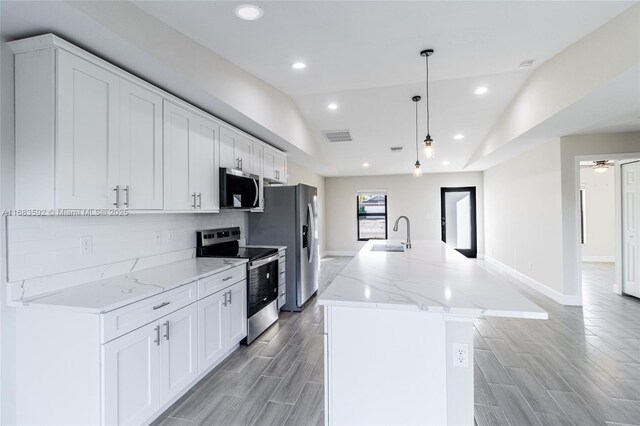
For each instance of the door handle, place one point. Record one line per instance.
(229, 296)
(193, 196)
(166, 329)
(199, 200)
(157, 340)
(126, 196)
(225, 299)
(117, 189)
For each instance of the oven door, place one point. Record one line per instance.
(238, 190)
(262, 283)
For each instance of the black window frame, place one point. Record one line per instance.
(359, 215)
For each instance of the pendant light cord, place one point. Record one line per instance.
(417, 155)
(426, 58)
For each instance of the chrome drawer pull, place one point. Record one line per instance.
(162, 305)
(227, 278)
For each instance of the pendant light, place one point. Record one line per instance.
(417, 172)
(428, 142)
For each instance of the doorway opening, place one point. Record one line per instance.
(608, 217)
(458, 219)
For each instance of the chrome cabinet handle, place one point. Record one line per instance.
(157, 341)
(166, 329)
(199, 200)
(229, 296)
(162, 305)
(126, 196)
(117, 189)
(240, 160)
(227, 278)
(193, 196)
(225, 299)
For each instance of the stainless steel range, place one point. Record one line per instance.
(262, 275)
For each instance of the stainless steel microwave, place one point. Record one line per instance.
(238, 190)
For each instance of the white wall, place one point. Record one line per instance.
(300, 174)
(417, 198)
(599, 215)
(523, 215)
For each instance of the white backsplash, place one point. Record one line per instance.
(44, 253)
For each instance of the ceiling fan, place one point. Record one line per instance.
(599, 166)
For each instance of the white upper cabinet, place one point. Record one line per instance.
(235, 150)
(91, 136)
(203, 176)
(275, 165)
(87, 144)
(190, 179)
(179, 127)
(140, 157)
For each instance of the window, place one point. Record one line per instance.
(372, 215)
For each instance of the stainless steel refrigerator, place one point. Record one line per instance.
(290, 219)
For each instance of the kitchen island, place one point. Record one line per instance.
(399, 333)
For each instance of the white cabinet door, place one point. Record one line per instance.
(269, 164)
(631, 228)
(235, 150)
(179, 358)
(131, 376)
(140, 160)
(237, 313)
(177, 138)
(203, 169)
(87, 140)
(280, 161)
(211, 334)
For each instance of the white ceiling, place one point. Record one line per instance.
(365, 57)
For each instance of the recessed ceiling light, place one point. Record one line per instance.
(298, 65)
(249, 12)
(332, 106)
(365, 164)
(458, 136)
(481, 90)
(445, 163)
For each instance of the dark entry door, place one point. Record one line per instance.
(458, 219)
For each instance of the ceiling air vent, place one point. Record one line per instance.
(396, 148)
(338, 135)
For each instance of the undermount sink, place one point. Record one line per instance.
(387, 247)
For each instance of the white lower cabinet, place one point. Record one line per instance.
(223, 323)
(132, 377)
(146, 368)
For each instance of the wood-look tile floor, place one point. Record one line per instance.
(581, 367)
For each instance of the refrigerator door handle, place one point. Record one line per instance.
(312, 231)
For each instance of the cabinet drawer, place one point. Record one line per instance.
(281, 267)
(282, 290)
(282, 300)
(217, 282)
(282, 279)
(128, 318)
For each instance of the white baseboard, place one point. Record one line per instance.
(554, 295)
(603, 259)
(338, 253)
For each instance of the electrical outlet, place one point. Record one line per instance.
(158, 237)
(171, 235)
(86, 244)
(460, 354)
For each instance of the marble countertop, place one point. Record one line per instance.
(112, 293)
(430, 277)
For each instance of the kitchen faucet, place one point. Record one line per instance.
(395, 228)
